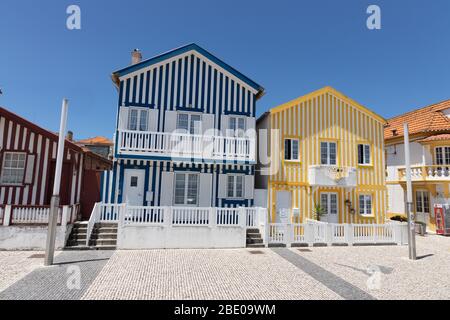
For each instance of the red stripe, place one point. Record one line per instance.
(41, 174)
(30, 193)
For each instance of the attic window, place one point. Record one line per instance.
(394, 132)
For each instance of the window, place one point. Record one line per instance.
(291, 149)
(236, 126)
(422, 202)
(365, 204)
(443, 155)
(328, 203)
(133, 181)
(186, 189)
(328, 153)
(191, 123)
(138, 119)
(235, 186)
(363, 154)
(13, 168)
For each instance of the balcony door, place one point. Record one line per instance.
(329, 205)
(133, 191)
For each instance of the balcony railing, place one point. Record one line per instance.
(332, 176)
(183, 145)
(426, 173)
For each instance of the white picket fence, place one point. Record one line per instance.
(315, 232)
(127, 215)
(30, 215)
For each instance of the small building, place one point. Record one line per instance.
(322, 153)
(429, 133)
(100, 145)
(27, 166)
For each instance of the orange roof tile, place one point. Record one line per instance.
(96, 140)
(438, 137)
(425, 120)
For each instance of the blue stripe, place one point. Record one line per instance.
(179, 83)
(141, 88)
(208, 97)
(147, 96)
(184, 104)
(225, 106)
(134, 89)
(154, 88)
(219, 118)
(191, 79)
(185, 49)
(127, 92)
(197, 81)
(147, 176)
(231, 95)
(172, 89)
(159, 186)
(166, 87)
(120, 92)
(203, 92)
(154, 182)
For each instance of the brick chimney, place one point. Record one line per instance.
(136, 56)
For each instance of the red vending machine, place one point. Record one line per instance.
(442, 214)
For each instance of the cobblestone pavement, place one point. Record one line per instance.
(370, 272)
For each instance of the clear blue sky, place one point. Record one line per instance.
(289, 47)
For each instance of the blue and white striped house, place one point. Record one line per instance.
(185, 132)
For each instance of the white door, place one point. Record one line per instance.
(133, 191)
(422, 206)
(283, 206)
(329, 204)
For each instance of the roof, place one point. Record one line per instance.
(438, 137)
(99, 140)
(14, 117)
(429, 119)
(184, 49)
(333, 91)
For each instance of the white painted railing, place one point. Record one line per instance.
(144, 215)
(103, 212)
(184, 145)
(332, 176)
(426, 173)
(316, 232)
(24, 215)
(185, 216)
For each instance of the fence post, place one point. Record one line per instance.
(349, 233)
(329, 233)
(64, 215)
(397, 233)
(266, 231)
(309, 233)
(7, 215)
(212, 217)
(289, 233)
(242, 218)
(167, 217)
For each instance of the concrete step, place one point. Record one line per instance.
(104, 235)
(77, 236)
(79, 230)
(254, 240)
(253, 235)
(76, 242)
(255, 245)
(252, 230)
(101, 242)
(104, 230)
(106, 225)
(90, 248)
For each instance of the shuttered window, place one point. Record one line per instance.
(186, 189)
(363, 154)
(13, 168)
(138, 119)
(235, 186)
(291, 149)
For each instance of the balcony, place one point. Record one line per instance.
(426, 173)
(332, 176)
(185, 146)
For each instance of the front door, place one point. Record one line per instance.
(283, 206)
(422, 206)
(133, 191)
(329, 205)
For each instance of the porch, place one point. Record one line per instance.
(184, 145)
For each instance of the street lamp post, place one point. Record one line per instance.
(54, 202)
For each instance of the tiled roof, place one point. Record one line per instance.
(425, 120)
(438, 137)
(96, 140)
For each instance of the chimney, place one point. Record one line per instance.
(136, 56)
(69, 135)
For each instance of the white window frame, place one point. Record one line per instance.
(234, 183)
(235, 131)
(139, 123)
(186, 189)
(445, 159)
(189, 115)
(291, 155)
(328, 153)
(365, 211)
(421, 199)
(328, 205)
(10, 167)
(365, 161)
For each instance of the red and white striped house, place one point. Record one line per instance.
(27, 165)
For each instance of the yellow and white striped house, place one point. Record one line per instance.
(322, 149)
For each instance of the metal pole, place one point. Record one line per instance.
(54, 203)
(410, 215)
